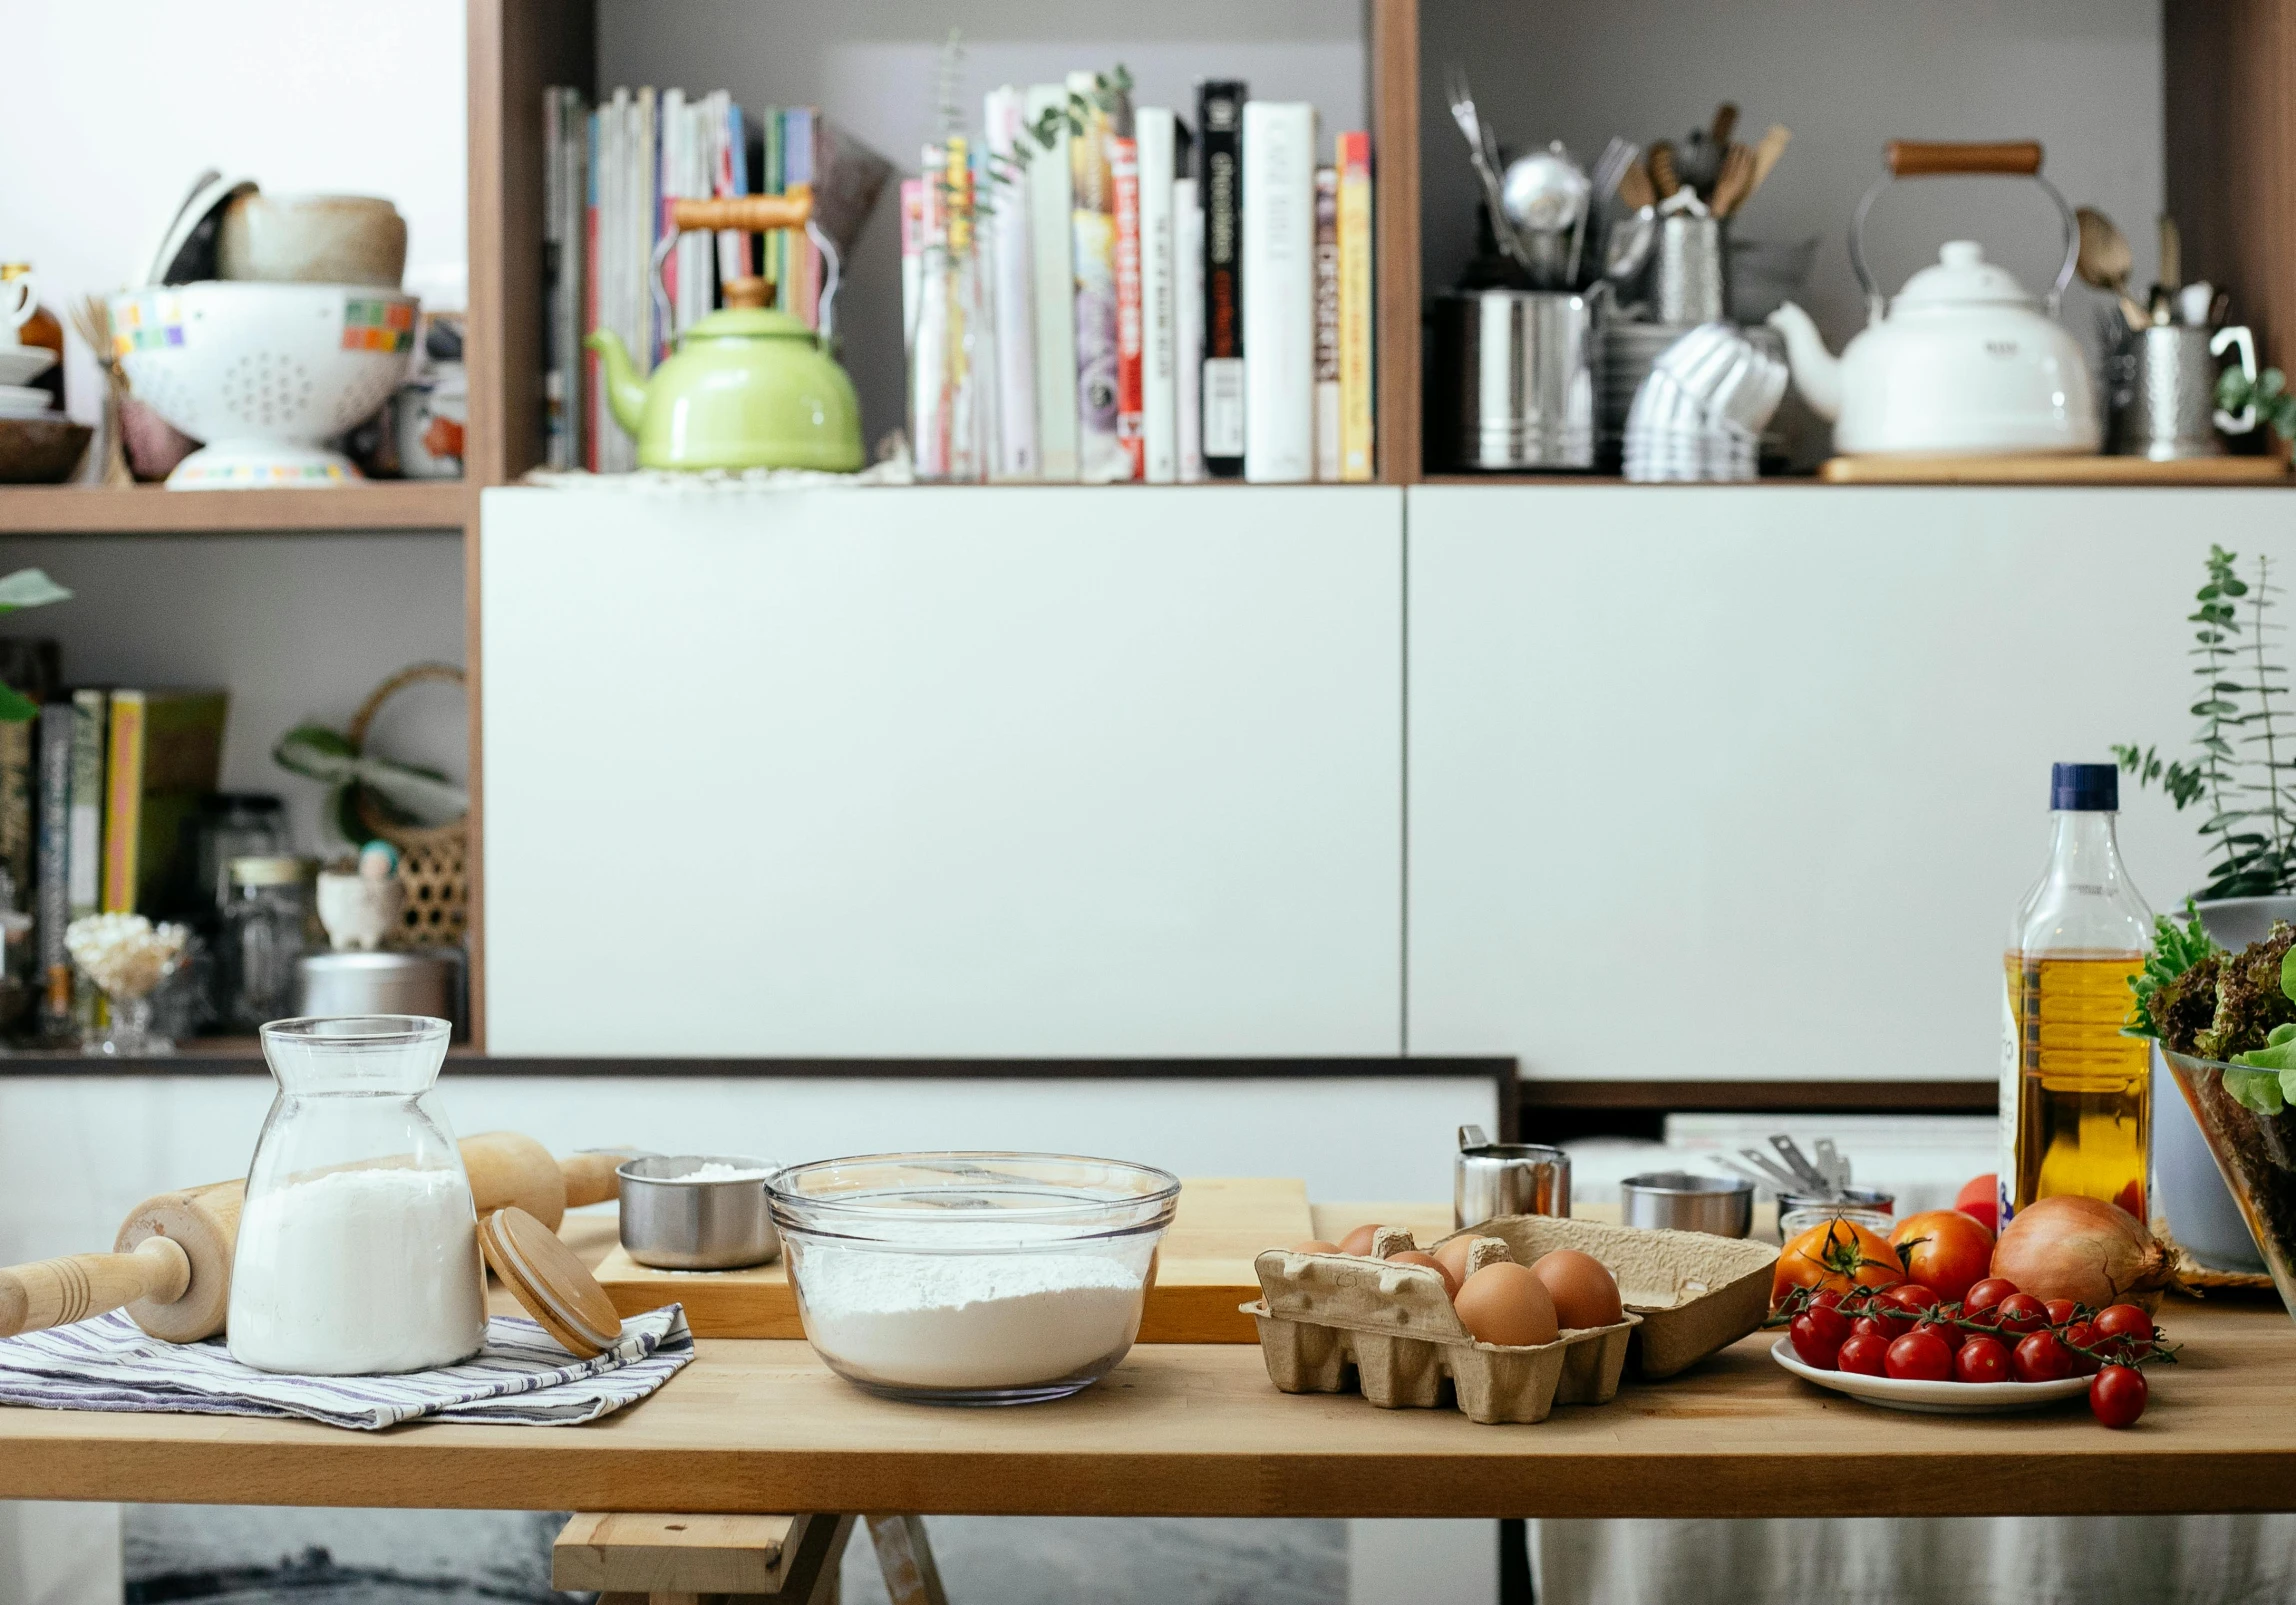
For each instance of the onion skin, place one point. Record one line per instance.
(2083, 1249)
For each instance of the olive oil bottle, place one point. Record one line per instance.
(2076, 1095)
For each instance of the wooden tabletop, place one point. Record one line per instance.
(755, 1426)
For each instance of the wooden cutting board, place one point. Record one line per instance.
(1884, 469)
(1203, 1271)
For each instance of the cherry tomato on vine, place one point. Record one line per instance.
(1828, 1298)
(2081, 1335)
(1945, 1332)
(1912, 1296)
(1987, 1293)
(1920, 1357)
(2061, 1310)
(2022, 1313)
(1982, 1359)
(1875, 1326)
(2128, 1323)
(1818, 1336)
(2041, 1357)
(1865, 1354)
(2117, 1395)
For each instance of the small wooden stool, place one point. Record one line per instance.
(736, 1560)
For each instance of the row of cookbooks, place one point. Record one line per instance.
(612, 173)
(1103, 292)
(95, 797)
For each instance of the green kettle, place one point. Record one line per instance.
(748, 386)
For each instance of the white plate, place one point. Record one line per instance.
(21, 364)
(1932, 1398)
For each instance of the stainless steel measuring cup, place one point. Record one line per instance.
(1507, 1178)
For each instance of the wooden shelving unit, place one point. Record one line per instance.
(151, 510)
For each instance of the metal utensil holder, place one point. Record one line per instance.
(2163, 383)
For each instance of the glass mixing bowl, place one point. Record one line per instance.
(971, 1278)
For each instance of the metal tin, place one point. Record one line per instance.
(375, 983)
(1689, 282)
(1853, 1200)
(1681, 1201)
(1512, 383)
(676, 1222)
(1490, 1179)
(2164, 405)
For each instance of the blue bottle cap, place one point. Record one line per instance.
(2087, 788)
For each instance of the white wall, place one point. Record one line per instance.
(119, 104)
(873, 68)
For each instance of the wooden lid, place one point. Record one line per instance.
(555, 1287)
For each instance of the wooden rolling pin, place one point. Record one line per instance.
(170, 1268)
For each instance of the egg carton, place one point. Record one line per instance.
(1331, 1322)
(1696, 1293)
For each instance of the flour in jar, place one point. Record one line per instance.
(358, 1272)
(968, 1320)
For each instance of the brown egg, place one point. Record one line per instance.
(1359, 1240)
(1315, 1245)
(1507, 1305)
(1412, 1256)
(1584, 1291)
(1454, 1255)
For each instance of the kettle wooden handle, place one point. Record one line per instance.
(1922, 158)
(752, 214)
(57, 1292)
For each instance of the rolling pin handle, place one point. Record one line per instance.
(590, 1177)
(57, 1292)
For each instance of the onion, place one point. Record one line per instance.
(2083, 1249)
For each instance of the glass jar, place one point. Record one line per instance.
(358, 1241)
(263, 925)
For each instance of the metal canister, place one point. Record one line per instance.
(1512, 380)
(376, 983)
(1689, 282)
(1682, 1201)
(1490, 1179)
(678, 1218)
(2164, 407)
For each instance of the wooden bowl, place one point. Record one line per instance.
(41, 451)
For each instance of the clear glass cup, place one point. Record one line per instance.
(971, 1278)
(358, 1241)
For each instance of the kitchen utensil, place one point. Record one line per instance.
(1512, 379)
(2171, 254)
(550, 1282)
(390, 982)
(1483, 153)
(1734, 181)
(2219, 307)
(1610, 168)
(1547, 197)
(1725, 126)
(1627, 251)
(1630, 353)
(958, 1233)
(680, 1221)
(1489, 1179)
(1701, 412)
(186, 1306)
(1933, 1398)
(1663, 175)
(1688, 281)
(311, 239)
(747, 387)
(185, 251)
(1635, 189)
(1832, 1166)
(1963, 361)
(41, 451)
(2194, 302)
(1811, 1178)
(1679, 1200)
(2165, 409)
(2104, 261)
(266, 374)
(1766, 153)
(1777, 1175)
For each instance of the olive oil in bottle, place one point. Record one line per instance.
(2076, 1095)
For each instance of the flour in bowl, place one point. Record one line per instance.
(719, 1170)
(967, 1320)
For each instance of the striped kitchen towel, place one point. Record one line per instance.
(521, 1378)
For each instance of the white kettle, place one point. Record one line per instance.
(1964, 361)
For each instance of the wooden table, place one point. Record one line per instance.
(1198, 1430)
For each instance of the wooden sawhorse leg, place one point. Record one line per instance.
(737, 1560)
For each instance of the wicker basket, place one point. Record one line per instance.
(433, 859)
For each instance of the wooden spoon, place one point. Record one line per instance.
(1635, 190)
(1663, 175)
(1733, 184)
(2104, 262)
(1766, 153)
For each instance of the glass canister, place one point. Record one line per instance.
(263, 925)
(358, 1242)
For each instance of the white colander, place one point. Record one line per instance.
(265, 374)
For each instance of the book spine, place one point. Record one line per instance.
(770, 182)
(18, 786)
(647, 222)
(123, 802)
(1015, 302)
(1279, 291)
(1188, 327)
(1100, 457)
(1357, 320)
(593, 390)
(1220, 128)
(797, 167)
(912, 258)
(1052, 274)
(929, 351)
(1131, 321)
(1156, 132)
(972, 357)
(556, 445)
(1327, 418)
(85, 853)
(54, 907)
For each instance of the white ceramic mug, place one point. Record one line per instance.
(19, 297)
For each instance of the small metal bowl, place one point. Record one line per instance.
(1682, 1201)
(677, 1222)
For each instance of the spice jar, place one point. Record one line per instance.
(263, 924)
(358, 1243)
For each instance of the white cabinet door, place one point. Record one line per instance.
(1747, 782)
(1029, 771)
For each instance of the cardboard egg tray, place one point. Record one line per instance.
(1696, 1293)
(1329, 1322)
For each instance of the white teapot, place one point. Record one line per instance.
(1964, 361)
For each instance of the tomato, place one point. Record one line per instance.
(1987, 1293)
(2132, 1327)
(1864, 1354)
(1830, 1299)
(1982, 1359)
(2117, 1395)
(2022, 1312)
(1818, 1336)
(2042, 1358)
(1920, 1357)
(1913, 1296)
(2081, 1335)
(1981, 1201)
(2132, 1199)
(1945, 1249)
(2061, 1310)
(1877, 1326)
(1947, 1333)
(1836, 1254)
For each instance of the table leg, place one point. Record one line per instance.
(905, 1556)
(686, 1560)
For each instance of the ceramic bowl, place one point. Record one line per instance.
(312, 239)
(20, 365)
(41, 451)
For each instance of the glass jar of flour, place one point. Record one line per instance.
(358, 1243)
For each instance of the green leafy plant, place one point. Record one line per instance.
(27, 587)
(1006, 168)
(407, 793)
(2266, 1081)
(2268, 394)
(2176, 951)
(2245, 745)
